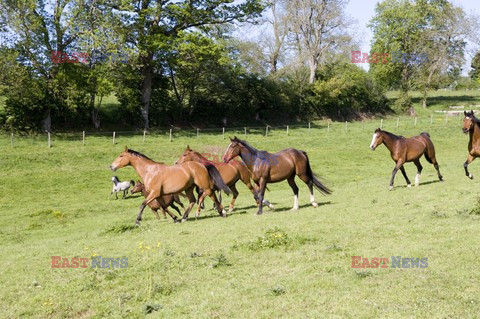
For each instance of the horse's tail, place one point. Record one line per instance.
(316, 182)
(425, 134)
(217, 178)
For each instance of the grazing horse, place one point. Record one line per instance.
(231, 172)
(155, 205)
(272, 168)
(161, 179)
(472, 126)
(120, 187)
(405, 150)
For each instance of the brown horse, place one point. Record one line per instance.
(161, 179)
(272, 168)
(472, 126)
(231, 172)
(405, 150)
(155, 205)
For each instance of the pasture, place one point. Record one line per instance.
(282, 264)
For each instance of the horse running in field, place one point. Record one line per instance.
(471, 126)
(231, 172)
(120, 187)
(405, 150)
(160, 179)
(155, 205)
(275, 167)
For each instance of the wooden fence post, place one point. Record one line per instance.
(170, 138)
(83, 137)
(113, 139)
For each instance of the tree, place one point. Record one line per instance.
(317, 26)
(152, 26)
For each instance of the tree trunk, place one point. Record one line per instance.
(313, 68)
(47, 121)
(147, 73)
(424, 98)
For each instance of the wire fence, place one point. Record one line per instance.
(405, 124)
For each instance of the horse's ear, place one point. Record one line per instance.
(231, 139)
(126, 148)
(465, 113)
(471, 112)
(377, 130)
(235, 138)
(188, 147)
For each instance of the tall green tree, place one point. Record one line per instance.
(151, 27)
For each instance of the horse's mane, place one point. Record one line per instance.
(393, 135)
(249, 147)
(138, 154)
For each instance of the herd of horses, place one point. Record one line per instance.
(162, 184)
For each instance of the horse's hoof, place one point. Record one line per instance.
(230, 209)
(137, 224)
(271, 206)
(314, 204)
(390, 188)
(294, 209)
(259, 213)
(470, 176)
(410, 185)
(176, 221)
(183, 220)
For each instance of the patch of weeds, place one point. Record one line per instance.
(476, 209)
(302, 240)
(437, 213)
(277, 290)
(46, 213)
(164, 290)
(272, 238)
(110, 275)
(42, 213)
(220, 260)
(195, 255)
(333, 248)
(151, 307)
(374, 201)
(184, 232)
(363, 274)
(33, 226)
(169, 253)
(119, 229)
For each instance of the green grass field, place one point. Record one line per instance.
(282, 264)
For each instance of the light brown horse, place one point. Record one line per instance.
(405, 150)
(272, 168)
(471, 126)
(155, 205)
(161, 179)
(231, 172)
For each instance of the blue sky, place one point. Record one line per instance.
(363, 11)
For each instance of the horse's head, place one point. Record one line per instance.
(187, 156)
(138, 187)
(377, 139)
(233, 150)
(468, 121)
(121, 161)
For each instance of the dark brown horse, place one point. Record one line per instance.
(231, 172)
(161, 179)
(275, 167)
(155, 205)
(472, 126)
(405, 150)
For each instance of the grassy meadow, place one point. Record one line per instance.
(282, 264)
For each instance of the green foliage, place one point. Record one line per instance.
(344, 92)
(273, 238)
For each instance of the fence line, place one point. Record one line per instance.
(327, 126)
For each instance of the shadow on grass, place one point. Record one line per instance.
(283, 209)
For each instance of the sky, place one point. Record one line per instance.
(363, 10)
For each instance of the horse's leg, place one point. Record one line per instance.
(406, 177)
(261, 192)
(291, 182)
(419, 171)
(201, 198)
(155, 212)
(199, 193)
(191, 199)
(124, 194)
(147, 201)
(176, 208)
(235, 195)
(470, 159)
(116, 195)
(395, 170)
(219, 206)
(309, 182)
